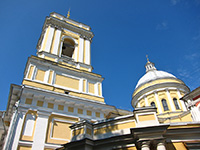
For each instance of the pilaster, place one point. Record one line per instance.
(87, 52)
(170, 100)
(182, 102)
(56, 42)
(161, 145)
(14, 132)
(145, 145)
(81, 47)
(158, 102)
(40, 131)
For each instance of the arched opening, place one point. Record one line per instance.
(165, 106)
(153, 104)
(176, 103)
(68, 47)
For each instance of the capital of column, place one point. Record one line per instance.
(161, 145)
(43, 114)
(145, 145)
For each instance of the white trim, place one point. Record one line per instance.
(181, 101)
(146, 101)
(56, 42)
(26, 143)
(115, 123)
(96, 89)
(87, 52)
(40, 131)
(43, 39)
(81, 49)
(76, 54)
(19, 127)
(81, 85)
(158, 102)
(49, 39)
(28, 71)
(170, 100)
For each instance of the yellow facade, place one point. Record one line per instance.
(40, 75)
(114, 127)
(67, 82)
(24, 148)
(146, 117)
(91, 88)
(56, 126)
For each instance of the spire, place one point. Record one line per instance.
(149, 65)
(68, 14)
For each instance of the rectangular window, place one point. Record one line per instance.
(97, 114)
(50, 105)
(70, 109)
(80, 111)
(91, 87)
(40, 75)
(60, 107)
(28, 101)
(40, 103)
(89, 113)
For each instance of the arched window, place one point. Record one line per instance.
(153, 104)
(176, 103)
(68, 47)
(165, 106)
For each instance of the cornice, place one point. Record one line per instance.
(54, 22)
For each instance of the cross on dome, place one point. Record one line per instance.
(149, 65)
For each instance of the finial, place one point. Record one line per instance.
(149, 65)
(147, 58)
(68, 14)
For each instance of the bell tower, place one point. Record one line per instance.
(66, 41)
(63, 62)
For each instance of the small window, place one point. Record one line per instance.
(68, 47)
(165, 106)
(176, 103)
(153, 104)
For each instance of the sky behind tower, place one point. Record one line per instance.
(125, 32)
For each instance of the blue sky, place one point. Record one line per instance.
(125, 32)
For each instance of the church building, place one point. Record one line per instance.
(60, 104)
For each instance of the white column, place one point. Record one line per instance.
(195, 113)
(158, 102)
(100, 89)
(145, 145)
(146, 101)
(170, 100)
(182, 102)
(75, 53)
(46, 76)
(40, 131)
(56, 42)
(81, 47)
(14, 131)
(49, 39)
(87, 52)
(81, 85)
(96, 91)
(161, 146)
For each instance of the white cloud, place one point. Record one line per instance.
(162, 26)
(197, 37)
(189, 70)
(174, 2)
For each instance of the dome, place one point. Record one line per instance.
(152, 74)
